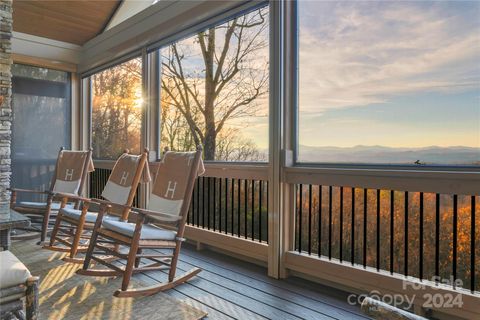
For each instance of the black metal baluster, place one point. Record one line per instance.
(352, 242)
(239, 187)
(319, 220)
(309, 219)
(214, 202)
(193, 203)
(300, 209)
(220, 205)
(233, 206)
(392, 215)
(455, 236)
(209, 183)
(472, 246)
(93, 184)
(260, 191)
(330, 222)
(437, 238)
(190, 212)
(245, 194)
(378, 230)
(226, 205)
(192, 206)
(421, 237)
(100, 181)
(365, 195)
(268, 212)
(341, 224)
(406, 234)
(198, 203)
(203, 202)
(253, 210)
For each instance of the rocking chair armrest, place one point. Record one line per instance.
(157, 215)
(96, 201)
(33, 279)
(101, 201)
(71, 196)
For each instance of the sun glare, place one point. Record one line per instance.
(138, 99)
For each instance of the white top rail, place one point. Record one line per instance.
(443, 182)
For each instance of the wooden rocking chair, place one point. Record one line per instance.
(72, 225)
(69, 176)
(161, 226)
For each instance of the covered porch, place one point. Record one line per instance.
(283, 224)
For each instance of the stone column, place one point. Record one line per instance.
(5, 101)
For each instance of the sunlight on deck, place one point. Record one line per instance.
(52, 292)
(65, 295)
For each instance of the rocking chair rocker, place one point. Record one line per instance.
(72, 225)
(69, 176)
(161, 226)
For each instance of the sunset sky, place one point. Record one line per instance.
(398, 74)
(389, 73)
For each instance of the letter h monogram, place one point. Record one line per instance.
(171, 189)
(123, 180)
(69, 174)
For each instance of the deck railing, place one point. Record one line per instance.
(409, 233)
(222, 202)
(237, 207)
(403, 232)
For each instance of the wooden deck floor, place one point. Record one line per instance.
(228, 288)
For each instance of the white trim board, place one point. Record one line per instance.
(127, 9)
(52, 50)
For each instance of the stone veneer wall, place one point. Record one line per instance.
(5, 99)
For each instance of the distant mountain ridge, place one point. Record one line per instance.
(432, 155)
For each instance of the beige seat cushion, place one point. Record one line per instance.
(75, 214)
(89, 217)
(149, 232)
(12, 271)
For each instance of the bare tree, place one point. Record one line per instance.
(217, 77)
